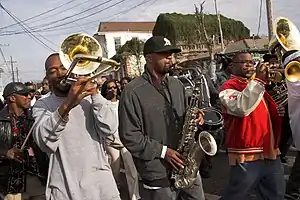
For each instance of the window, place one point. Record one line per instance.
(117, 42)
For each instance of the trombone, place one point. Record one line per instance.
(81, 54)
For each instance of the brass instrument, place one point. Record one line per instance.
(81, 54)
(292, 71)
(274, 75)
(191, 147)
(286, 38)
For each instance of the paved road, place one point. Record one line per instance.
(214, 186)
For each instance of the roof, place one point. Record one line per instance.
(248, 44)
(126, 26)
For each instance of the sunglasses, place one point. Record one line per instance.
(113, 87)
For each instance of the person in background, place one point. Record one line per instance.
(32, 90)
(293, 184)
(20, 170)
(37, 95)
(45, 88)
(110, 90)
(253, 126)
(286, 132)
(124, 81)
(151, 116)
(271, 58)
(1, 104)
(224, 74)
(118, 84)
(71, 127)
(118, 152)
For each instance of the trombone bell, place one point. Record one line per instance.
(81, 54)
(292, 71)
(81, 44)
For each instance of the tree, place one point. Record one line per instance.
(201, 30)
(181, 27)
(132, 47)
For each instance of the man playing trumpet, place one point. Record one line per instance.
(71, 128)
(252, 125)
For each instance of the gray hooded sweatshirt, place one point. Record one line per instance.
(78, 168)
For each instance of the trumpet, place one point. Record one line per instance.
(81, 54)
(274, 74)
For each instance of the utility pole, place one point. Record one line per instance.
(270, 18)
(220, 25)
(1, 80)
(12, 69)
(17, 74)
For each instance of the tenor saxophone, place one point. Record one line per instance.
(192, 147)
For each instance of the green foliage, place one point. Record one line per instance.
(133, 46)
(179, 27)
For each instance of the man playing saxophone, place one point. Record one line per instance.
(252, 124)
(151, 114)
(71, 128)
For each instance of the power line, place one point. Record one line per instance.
(23, 27)
(71, 16)
(51, 29)
(36, 16)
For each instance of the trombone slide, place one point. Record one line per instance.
(82, 57)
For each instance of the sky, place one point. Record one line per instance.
(65, 17)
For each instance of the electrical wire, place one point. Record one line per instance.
(111, 17)
(36, 16)
(71, 16)
(25, 29)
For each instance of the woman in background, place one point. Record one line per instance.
(118, 152)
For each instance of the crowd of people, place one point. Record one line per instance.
(111, 140)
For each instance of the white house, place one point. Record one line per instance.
(112, 35)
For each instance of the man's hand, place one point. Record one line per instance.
(280, 110)
(262, 71)
(15, 154)
(174, 159)
(81, 89)
(199, 119)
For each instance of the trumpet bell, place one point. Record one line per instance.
(292, 71)
(287, 34)
(80, 44)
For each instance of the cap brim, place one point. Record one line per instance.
(168, 49)
(22, 92)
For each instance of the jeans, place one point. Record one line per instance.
(266, 177)
(293, 184)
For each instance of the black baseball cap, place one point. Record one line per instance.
(159, 44)
(15, 88)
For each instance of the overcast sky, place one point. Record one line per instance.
(30, 55)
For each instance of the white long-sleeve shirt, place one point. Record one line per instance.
(294, 110)
(79, 168)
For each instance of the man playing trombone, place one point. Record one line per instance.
(71, 126)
